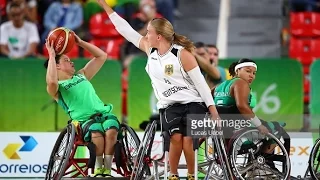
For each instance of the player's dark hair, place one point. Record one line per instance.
(212, 46)
(14, 5)
(57, 58)
(233, 65)
(199, 45)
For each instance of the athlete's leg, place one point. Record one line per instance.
(200, 110)
(171, 121)
(188, 153)
(175, 152)
(98, 139)
(111, 127)
(93, 133)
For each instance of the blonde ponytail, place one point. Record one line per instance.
(183, 41)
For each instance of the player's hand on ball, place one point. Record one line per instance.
(77, 39)
(49, 46)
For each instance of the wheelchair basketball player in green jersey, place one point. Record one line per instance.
(235, 96)
(74, 92)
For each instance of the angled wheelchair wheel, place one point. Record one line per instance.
(131, 143)
(60, 154)
(254, 155)
(314, 161)
(141, 168)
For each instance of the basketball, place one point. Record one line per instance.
(63, 40)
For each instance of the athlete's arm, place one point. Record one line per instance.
(190, 65)
(124, 28)
(52, 74)
(211, 70)
(241, 90)
(95, 64)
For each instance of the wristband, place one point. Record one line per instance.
(256, 121)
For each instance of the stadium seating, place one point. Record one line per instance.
(100, 26)
(305, 41)
(110, 46)
(304, 49)
(3, 7)
(305, 24)
(74, 53)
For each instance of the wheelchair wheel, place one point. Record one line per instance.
(252, 156)
(131, 143)
(141, 166)
(314, 161)
(60, 154)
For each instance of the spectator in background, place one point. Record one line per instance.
(18, 38)
(29, 7)
(147, 12)
(64, 13)
(208, 63)
(126, 8)
(167, 8)
(213, 54)
(305, 5)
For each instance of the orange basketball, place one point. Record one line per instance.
(63, 40)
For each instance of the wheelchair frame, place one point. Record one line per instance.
(75, 140)
(314, 156)
(144, 159)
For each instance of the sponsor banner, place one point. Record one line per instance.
(25, 154)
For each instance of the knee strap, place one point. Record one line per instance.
(118, 153)
(92, 158)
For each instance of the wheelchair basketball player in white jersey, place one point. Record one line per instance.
(177, 82)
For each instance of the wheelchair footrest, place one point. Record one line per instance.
(96, 178)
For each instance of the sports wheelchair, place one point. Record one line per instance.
(314, 161)
(222, 161)
(63, 163)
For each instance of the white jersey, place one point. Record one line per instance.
(171, 84)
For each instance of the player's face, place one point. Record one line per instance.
(66, 65)
(16, 15)
(213, 53)
(247, 73)
(152, 36)
(201, 51)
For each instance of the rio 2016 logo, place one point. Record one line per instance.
(12, 149)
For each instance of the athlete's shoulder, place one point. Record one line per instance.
(177, 46)
(152, 50)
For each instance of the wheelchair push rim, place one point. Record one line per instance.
(314, 162)
(131, 143)
(258, 158)
(65, 140)
(141, 164)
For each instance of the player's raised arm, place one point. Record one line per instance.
(52, 74)
(95, 64)
(124, 28)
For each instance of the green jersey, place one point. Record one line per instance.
(79, 99)
(222, 96)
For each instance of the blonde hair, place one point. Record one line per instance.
(165, 29)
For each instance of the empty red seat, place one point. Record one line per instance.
(305, 24)
(111, 46)
(100, 26)
(306, 98)
(74, 53)
(306, 69)
(3, 7)
(304, 50)
(306, 85)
